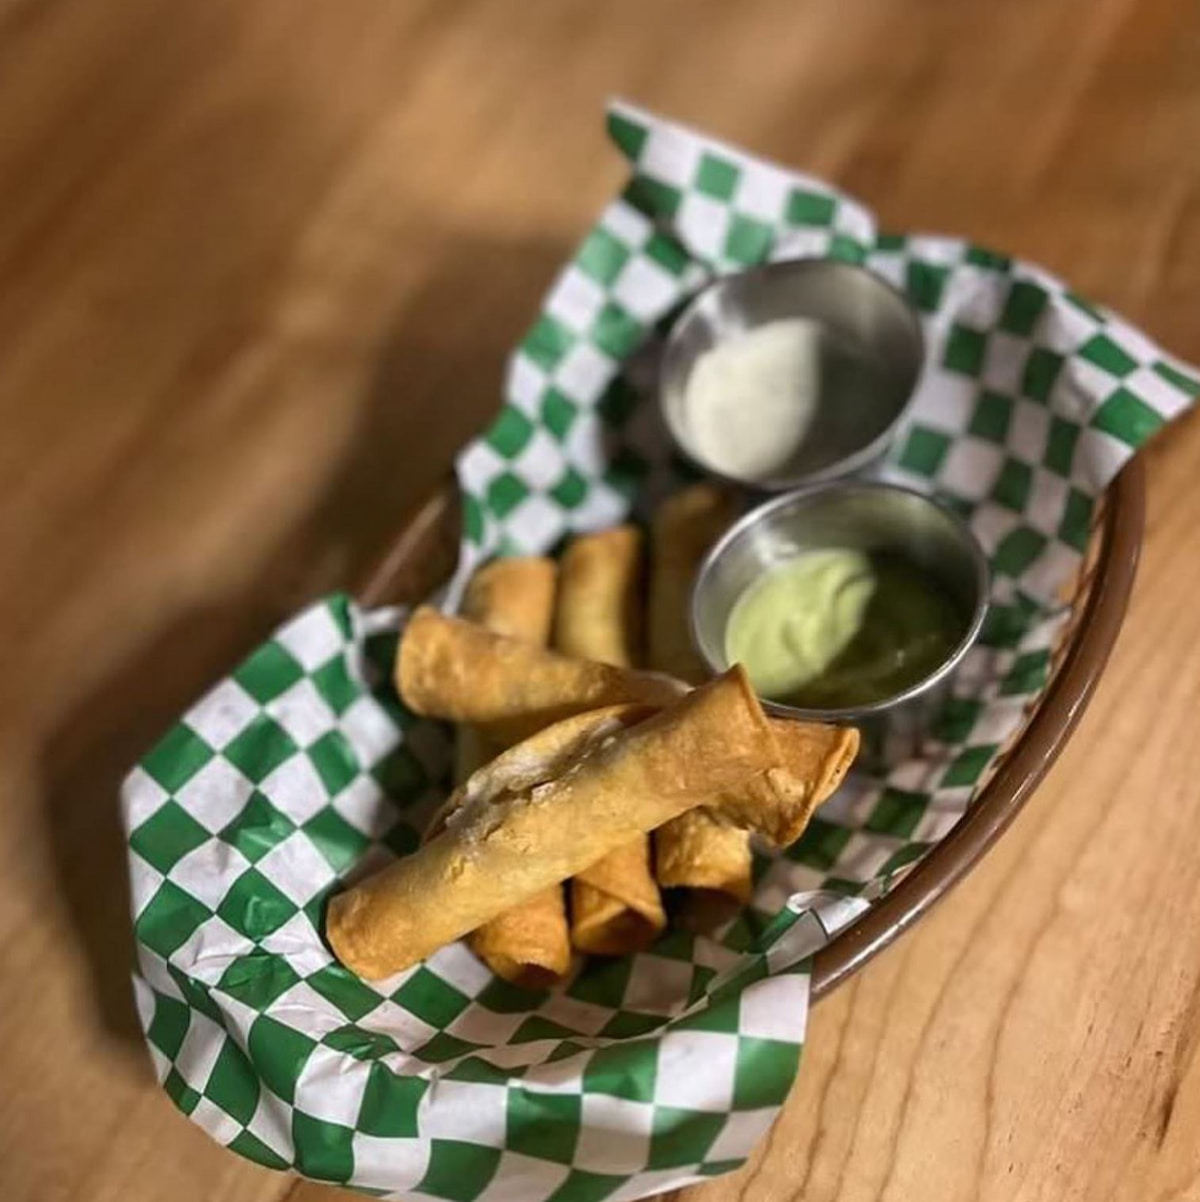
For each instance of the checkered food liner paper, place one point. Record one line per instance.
(665, 1068)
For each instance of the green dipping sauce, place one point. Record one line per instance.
(837, 628)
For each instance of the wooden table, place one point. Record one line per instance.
(287, 244)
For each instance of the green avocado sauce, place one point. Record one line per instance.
(836, 628)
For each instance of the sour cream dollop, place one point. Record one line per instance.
(751, 398)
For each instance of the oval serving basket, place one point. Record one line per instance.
(423, 556)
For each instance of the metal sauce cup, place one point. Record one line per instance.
(865, 516)
(870, 351)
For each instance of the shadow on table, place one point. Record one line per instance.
(438, 380)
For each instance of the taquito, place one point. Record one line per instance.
(813, 761)
(685, 526)
(598, 615)
(812, 757)
(698, 852)
(528, 945)
(615, 904)
(708, 848)
(706, 853)
(545, 810)
(453, 669)
(514, 596)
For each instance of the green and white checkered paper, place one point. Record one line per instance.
(303, 767)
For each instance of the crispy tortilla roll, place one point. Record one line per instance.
(529, 945)
(707, 850)
(711, 859)
(545, 810)
(514, 597)
(814, 759)
(453, 669)
(598, 598)
(615, 904)
(702, 853)
(685, 527)
(807, 750)
(700, 858)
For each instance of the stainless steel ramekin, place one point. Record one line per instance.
(871, 352)
(859, 515)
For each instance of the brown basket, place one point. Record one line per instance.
(424, 553)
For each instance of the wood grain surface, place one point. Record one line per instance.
(260, 261)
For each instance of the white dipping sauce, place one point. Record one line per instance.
(751, 399)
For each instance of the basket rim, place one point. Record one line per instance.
(417, 561)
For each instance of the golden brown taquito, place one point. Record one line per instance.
(598, 615)
(706, 853)
(616, 908)
(814, 759)
(684, 528)
(615, 904)
(453, 669)
(514, 597)
(530, 944)
(808, 752)
(546, 809)
(709, 854)
(700, 852)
